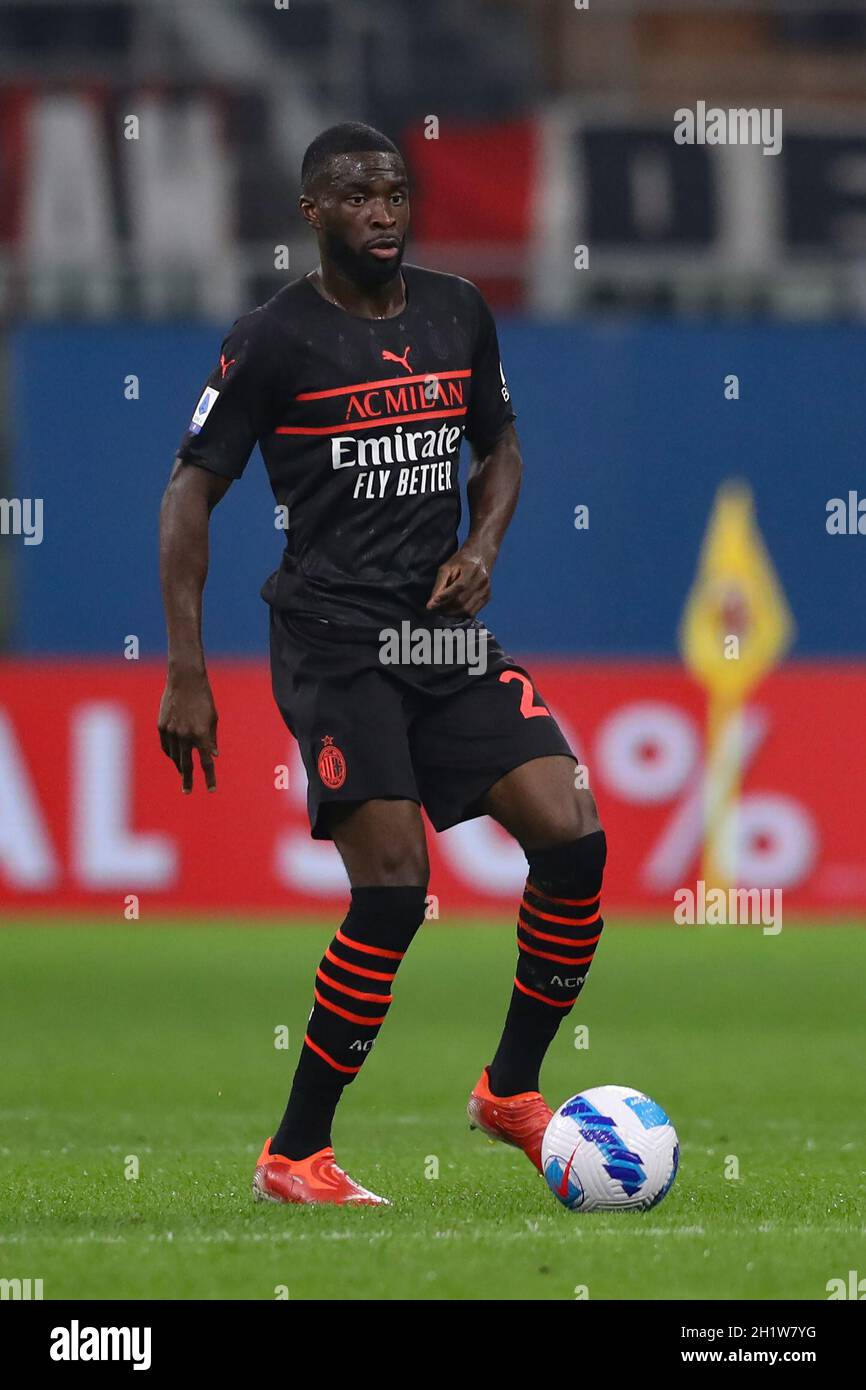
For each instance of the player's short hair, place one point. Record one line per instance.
(341, 139)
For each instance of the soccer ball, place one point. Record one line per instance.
(610, 1148)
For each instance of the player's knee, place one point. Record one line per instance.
(386, 916)
(382, 844)
(570, 818)
(397, 864)
(572, 868)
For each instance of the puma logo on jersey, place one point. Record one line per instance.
(393, 357)
(224, 365)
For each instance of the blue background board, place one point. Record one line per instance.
(628, 418)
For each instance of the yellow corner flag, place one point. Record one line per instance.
(736, 627)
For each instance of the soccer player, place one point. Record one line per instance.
(359, 382)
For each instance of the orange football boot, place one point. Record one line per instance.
(517, 1120)
(308, 1181)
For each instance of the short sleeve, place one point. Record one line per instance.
(490, 408)
(240, 400)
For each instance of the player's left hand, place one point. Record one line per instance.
(463, 583)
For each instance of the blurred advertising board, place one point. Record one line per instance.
(91, 810)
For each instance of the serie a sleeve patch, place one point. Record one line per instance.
(208, 400)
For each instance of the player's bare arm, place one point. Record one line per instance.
(187, 715)
(463, 582)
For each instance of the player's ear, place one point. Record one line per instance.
(309, 211)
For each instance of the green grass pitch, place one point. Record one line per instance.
(156, 1043)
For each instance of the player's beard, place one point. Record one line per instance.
(363, 269)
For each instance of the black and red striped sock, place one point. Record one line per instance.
(352, 997)
(558, 927)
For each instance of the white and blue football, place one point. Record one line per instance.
(610, 1148)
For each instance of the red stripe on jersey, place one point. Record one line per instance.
(381, 422)
(377, 385)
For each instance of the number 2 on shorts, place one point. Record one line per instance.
(527, 695)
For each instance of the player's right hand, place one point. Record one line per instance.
(188, 721)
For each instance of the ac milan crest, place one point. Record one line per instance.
(331, 764)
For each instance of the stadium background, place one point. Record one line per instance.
(124, 259)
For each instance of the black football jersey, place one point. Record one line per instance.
(360, 423)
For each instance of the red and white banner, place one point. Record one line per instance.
(91, 810)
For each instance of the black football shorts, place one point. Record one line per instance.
(439, 736)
